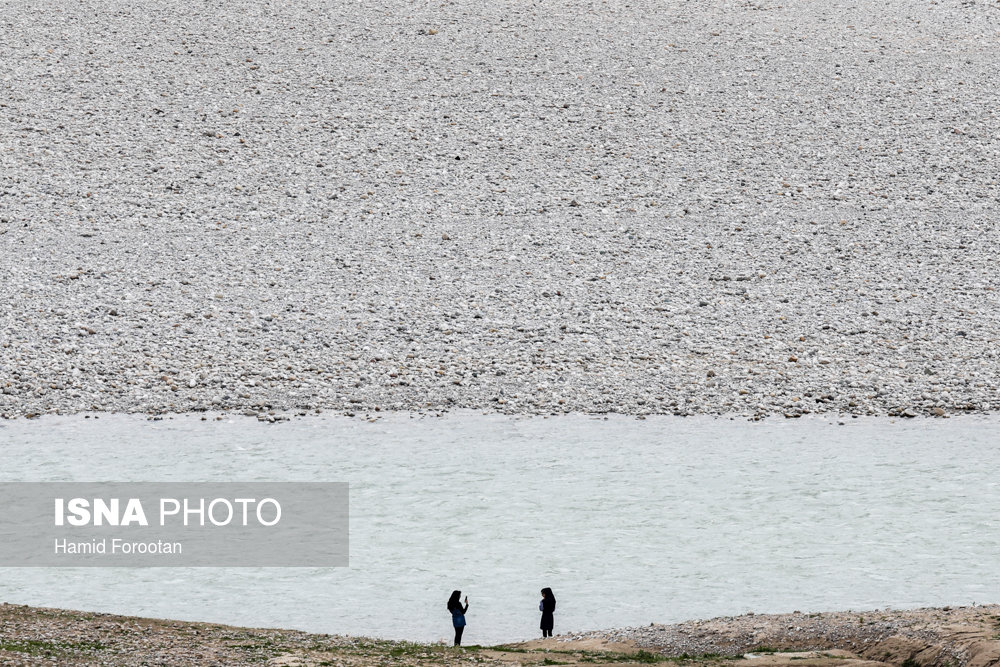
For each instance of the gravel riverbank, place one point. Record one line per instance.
(941, 636)
(660, 207)
(960, 637)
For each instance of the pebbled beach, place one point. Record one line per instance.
(945, 637)
(744, 208)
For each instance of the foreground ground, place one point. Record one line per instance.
(660, 206)
(960, 637)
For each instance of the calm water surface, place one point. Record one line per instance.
(628, 521)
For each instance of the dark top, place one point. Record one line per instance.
(548, 606)
(458, 615)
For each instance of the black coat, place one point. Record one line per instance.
(548, 606)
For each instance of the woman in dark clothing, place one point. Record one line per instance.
(458, 614)
(547, 606)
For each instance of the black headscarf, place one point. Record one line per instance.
(550, 599)
(453, 601)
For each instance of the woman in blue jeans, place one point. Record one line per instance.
(458, 614)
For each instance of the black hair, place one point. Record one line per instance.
(453, 600)
(547, 592)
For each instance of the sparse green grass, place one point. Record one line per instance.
(29, 646)
(707, 657)
(397, 650)
(611, 656)
(85, 646)
(407, 649)
(40, 647)
(509, 649)
(648, 657)
(260, 649)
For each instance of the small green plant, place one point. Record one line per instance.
(509, 649)
(612, 656)
(39, 647)
(86, 646)
(29, 646)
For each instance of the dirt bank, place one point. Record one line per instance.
(948, 637)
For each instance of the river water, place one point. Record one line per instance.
(630, 522)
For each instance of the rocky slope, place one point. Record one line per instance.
(654, 207)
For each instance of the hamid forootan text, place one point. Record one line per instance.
(171, 511)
